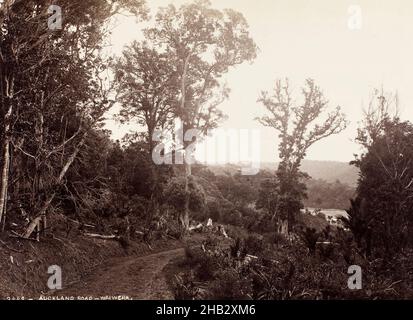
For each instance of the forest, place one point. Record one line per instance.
(67, 186)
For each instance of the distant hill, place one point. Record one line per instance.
(330, 171)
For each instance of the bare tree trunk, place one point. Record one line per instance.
(185, 215)
(8, 81)
(154, 200)
(39, 135)
(4, 183)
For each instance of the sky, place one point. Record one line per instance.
(326, 40)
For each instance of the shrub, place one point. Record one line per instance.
(309, 237)
(237, 250)
(174, 194)
(185, 288)
(214, 210)
(211, 242)
(254, 244)
(207, 267)
(327, 251)
(233, 217)
(193, 256)
(289, 273)
(229, 286)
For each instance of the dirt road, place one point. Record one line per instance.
(136, 277)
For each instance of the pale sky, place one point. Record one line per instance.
(299, 39)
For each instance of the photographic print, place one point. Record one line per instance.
(206, 150)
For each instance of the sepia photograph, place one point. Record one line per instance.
(232, 151)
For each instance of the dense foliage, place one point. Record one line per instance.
(381, 216)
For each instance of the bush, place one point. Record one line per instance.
(207, 267)
(327, 251)
(236, 232)
(229, 286)
(309, 236)
(174, 194)
(233, 217)
(276, 238)
(193, 256)
(288, 272)
(185, 288)
(237, 250)
(262, 224)
(214, 210)
(255, 244)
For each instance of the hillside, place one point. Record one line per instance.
(330, 171)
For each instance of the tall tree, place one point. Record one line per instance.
(147, 91)
(299, 127)
(202, 43)
(385, 187)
